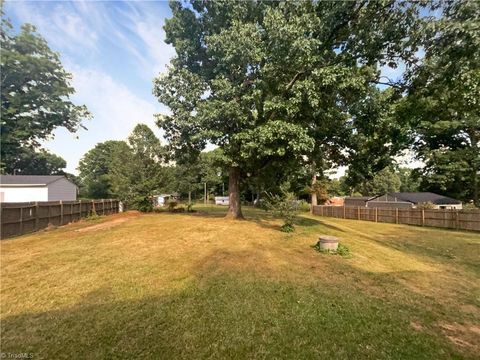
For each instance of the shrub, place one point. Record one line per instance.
(143, 203)
(426, 205)
(342, 250)
(190, 207)
(285, 207)
(304, 206)
(171, 205)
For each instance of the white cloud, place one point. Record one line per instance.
(115, 109)
(111, 101)
(62, 28)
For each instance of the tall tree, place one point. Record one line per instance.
(35, 94)
(96, 168)
(443, 102)
(271, 81)
(139, 172)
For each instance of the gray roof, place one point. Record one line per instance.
(364, 198)
(28, 179)
(424, 197)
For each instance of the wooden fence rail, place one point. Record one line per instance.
(23, 218)
(450, 219)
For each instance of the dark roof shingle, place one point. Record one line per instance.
(28, 179)
(424, 197)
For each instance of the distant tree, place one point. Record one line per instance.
(34, 96)
(337, 187)
(41, 162)
(187, 179)
(96, 168)
(386, 180)
(140, 172)
(409, 180)
(443, 102)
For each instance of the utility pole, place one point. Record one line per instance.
(205, 194)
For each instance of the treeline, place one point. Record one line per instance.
(135, 170)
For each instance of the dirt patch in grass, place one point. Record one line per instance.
(110, 222)
(416, 326)
(466, 336)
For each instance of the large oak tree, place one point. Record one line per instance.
(280, 81)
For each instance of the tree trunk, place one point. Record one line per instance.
(314, 193)
(234, 205)
(205, 193)
(475, 173)
(189, 197)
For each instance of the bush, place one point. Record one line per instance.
(143, 204)
(171, 205)
(284, 207)
(426, 205)
(190, 207)
(342, 250)
(304, 206)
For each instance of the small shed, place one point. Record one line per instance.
(221, 200)
(162, 199)
(26, 188)
(413, 200)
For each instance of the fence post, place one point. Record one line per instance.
(49, 206)
(376, 214)
(21, 220)
(358, 212)
(103, 207)
(457, 223)
(37, 218)
(344, 211)
(79, 209)
(396, 215)
(92, 210)
(423, 217)
(61, 212)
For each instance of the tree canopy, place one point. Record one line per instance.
(443, 102)
(35, 95)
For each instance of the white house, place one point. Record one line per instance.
(221, 200)
(25, 188)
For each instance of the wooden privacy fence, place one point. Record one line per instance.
(23, 218)
(442, 218)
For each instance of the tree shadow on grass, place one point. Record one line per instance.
(305, 221)
(223, 316)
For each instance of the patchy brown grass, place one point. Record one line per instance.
(403, 291)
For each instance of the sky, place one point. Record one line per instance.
(114, 50)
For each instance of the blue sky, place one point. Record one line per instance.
(113, 50)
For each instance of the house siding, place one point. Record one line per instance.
(390, 204)
(62, 189)
(24, 193)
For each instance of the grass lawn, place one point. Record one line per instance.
(197, 286)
